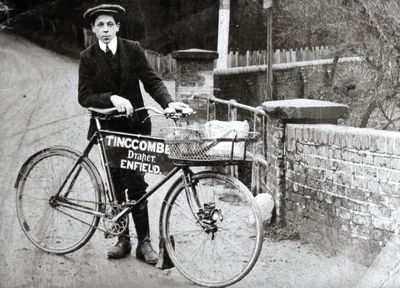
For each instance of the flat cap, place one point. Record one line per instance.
(91, 13)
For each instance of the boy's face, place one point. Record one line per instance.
(105, 28)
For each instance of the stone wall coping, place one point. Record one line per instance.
(304, 109)
(194, 53)
(241, 70)
(348, 130)
(291, 65)
(282, 66)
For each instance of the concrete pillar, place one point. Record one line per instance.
(194, 77)
(280, 113)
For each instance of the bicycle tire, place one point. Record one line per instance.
(198, 262)
(49, 228)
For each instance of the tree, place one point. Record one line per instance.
(369, 29)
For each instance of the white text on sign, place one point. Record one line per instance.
(133, 153)
(137, 144)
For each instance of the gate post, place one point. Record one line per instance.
(195, 77)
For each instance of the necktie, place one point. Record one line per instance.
(108, 51)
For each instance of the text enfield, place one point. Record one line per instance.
(142, 145)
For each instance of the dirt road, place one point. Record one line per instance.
(39, 108)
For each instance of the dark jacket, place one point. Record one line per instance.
(97, 83)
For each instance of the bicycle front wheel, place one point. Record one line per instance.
(56, 223)
(212, 230)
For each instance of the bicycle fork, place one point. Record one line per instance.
(206, 215)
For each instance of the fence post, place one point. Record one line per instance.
(232, 116)
(231, 60)
(247, 58)
(211, 109)
(277, 56)
(232, 111)
(293, 55)
(255, 178)
(237, 59)
(264, 57)
(255, 168)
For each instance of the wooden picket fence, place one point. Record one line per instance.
(251, 58)
(165, 64)
(162, 64)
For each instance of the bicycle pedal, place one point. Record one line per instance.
(108, 235)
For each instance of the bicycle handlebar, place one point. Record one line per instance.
(113, 112)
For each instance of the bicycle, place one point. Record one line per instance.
(209, 221)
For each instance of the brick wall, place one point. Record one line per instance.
(194, 77)
(342, 186)
(248, 85)
(311, 79)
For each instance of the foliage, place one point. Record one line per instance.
(366, 28)
(160, 25)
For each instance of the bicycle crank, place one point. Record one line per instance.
(114, 228)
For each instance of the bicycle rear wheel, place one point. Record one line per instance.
(44, 218)
(213, 232)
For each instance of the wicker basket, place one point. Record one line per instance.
(192, 145)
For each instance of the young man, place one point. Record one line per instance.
(109, 74)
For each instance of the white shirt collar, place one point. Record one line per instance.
(112, 45)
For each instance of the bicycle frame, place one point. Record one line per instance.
(110, 192)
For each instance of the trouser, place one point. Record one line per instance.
(136, 185)
(130, 180)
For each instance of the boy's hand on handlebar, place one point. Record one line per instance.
(174, 107)
(122, 104)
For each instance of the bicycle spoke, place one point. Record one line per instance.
(47, 226)
(52, 170)
(39, 182)
(39, 199)
(238, 248)
(213, 262)
(195, 251)
(218, 258)
(189, 231)
(222, 271)
(42, 228)
(232, 216)
(186, 217)
(202, 258)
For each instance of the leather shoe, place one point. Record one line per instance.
(120, 250)
(146, 253)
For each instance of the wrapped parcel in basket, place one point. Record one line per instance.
(231, 130)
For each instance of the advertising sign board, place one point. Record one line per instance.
(137, 152)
